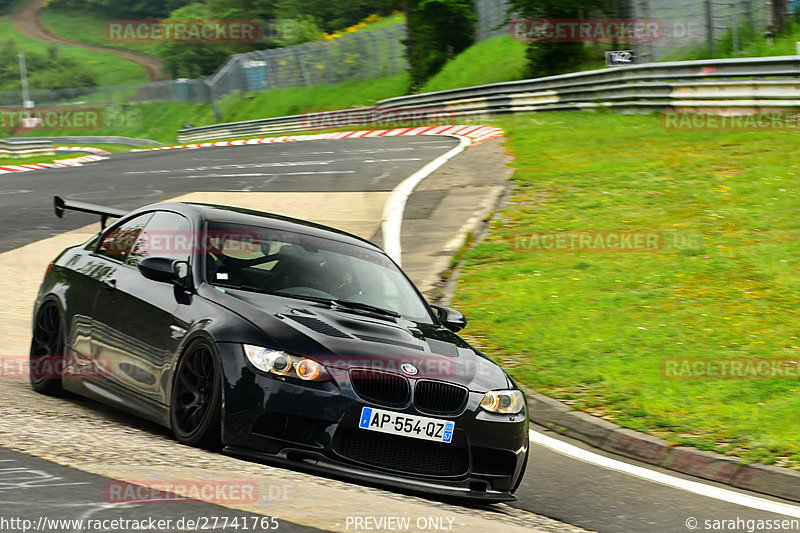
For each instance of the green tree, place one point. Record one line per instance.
(192, 60)
(549, 58)
(437, 31)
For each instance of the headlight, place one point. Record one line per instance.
(504, 402)
(283, 364)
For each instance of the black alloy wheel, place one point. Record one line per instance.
(197, 397)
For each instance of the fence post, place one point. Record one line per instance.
(269, 72)
(712, 42)
(302, 66)
(363, 54)
(377, 51)
(392, 53)
(212, 99)
(242, 78)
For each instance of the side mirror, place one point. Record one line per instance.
(165, 269)
(450, 318)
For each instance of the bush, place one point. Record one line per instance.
(49, 71)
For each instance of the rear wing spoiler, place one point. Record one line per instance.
(105, 213)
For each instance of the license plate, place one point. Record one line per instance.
(418, 427)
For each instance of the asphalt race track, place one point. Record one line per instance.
(48, 496)
(134, 179)
(556, 485)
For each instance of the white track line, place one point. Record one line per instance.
(695, 487)
(392, 220)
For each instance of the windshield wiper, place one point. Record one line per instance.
(332, 302)
(366, 307)
(317, 299)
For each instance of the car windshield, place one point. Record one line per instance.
(306, 267)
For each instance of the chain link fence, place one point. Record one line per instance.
(161, 91)
(377, 53)
(357, 56)
(690, 24)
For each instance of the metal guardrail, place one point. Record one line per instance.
(94, 139)
(15, 148)
(707, 85)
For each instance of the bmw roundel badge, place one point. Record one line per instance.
(409, 369)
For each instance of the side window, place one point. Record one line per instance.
(166, 234)
(119, 242)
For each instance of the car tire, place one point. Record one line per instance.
(46, 357)
(196, 406)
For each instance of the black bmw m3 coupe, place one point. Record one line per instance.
(279, 340)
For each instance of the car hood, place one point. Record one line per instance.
(343, 339)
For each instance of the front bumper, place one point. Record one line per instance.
(314, 426)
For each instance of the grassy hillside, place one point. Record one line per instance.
(490, 61)
(282, 102)
(110, 69)
(86, 27)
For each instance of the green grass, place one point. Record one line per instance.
(159, 122)
(593, 328)
(86, 27)
(111, 70)
(491, 61)
(283, 102)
